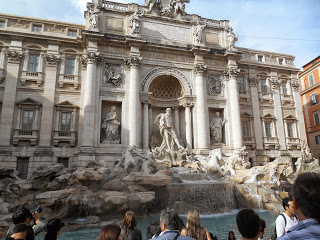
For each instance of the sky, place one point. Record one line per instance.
(284, 26)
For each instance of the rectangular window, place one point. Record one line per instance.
(246, 128)
(27, 119)
(242, 84)
(263, 85)
(72, 33)
(284, 88)
(311, 80)
(36, 28)
(69, 66)
(64, 161)
(22, 167)
(65, 121)
(2, 24)
(260, 58)
(280, 61)
(267, 126)
(316, 118)
(33, 63)
(290, 130)
(313, 99)
(317, 139)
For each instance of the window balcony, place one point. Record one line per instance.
(65, 79)
(293, 143)
(271, 143)
(249, 141)
(29, 135)
(37, 77)
(64, 137)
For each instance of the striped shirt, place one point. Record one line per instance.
(306, 229)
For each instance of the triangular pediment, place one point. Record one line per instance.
(290, 117)
(66, 104)
(29, 101)
(246, 115)
(268, 116)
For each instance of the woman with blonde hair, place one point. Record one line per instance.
(129, 229)
(193, 228)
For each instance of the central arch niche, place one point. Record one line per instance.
(166, 88)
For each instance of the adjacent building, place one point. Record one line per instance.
(310, 92)
(75, 93)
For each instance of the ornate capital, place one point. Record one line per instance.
(275, 83)
(231, 73)
(92, 57)
(14, 56)
(295, 85)
(52, 60)
(84, 62)
(200, 69)
(132, 61)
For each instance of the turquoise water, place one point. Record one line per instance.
(218, 224)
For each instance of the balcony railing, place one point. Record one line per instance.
(30, 135)
(64, 137)
(32, 77)
(271, 142)
(65, 79)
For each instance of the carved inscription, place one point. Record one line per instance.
(156, 30)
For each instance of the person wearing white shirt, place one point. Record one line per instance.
(287, 219)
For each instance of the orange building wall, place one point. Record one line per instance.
(308, 110)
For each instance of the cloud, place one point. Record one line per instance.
(80, 4)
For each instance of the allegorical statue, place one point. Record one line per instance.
(197, 33)
(151, 4)
(135, 22)
(111, 125)
(178, 6)
(166, 130)
(232, 38)
(216, 126)
(93, 15)
(167, 151)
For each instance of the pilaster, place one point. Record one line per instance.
(9, 98)
(46, 129)
(258, 135)
(275, 88)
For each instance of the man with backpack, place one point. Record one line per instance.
(287, 219)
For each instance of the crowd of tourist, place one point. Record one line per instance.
(300, 220)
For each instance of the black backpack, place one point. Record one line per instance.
(285, 223)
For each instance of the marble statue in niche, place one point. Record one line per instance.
(112, 77)
(231, 38)
(170, 149)
(110, 125)
(214, 85)
(135, 22)
(216, 126)
(197, 33)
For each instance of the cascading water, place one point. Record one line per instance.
(252, 191)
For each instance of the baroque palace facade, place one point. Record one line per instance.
(75, 93)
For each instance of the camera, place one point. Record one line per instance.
(38, 209)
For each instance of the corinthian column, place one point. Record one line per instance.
(202, 107)
(89, 99)
(231, 74)
(134, 101)
(145, 125)
(188, 125)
